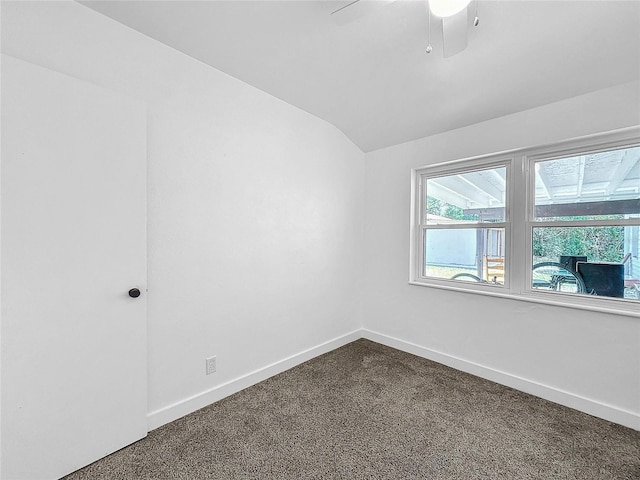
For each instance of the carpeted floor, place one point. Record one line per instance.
(366, 411)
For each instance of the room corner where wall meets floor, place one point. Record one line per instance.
(365, 410)
(189, 405)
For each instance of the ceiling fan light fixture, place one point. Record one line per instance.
(447, 8)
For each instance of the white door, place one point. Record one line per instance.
(73, 225)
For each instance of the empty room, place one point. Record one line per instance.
(370, 239)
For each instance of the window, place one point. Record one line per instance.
(463, 223)
(586, 217)
(558, 224)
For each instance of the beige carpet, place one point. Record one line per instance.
(366, 411)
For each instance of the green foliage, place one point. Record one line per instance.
(604, 244)
(435, 206)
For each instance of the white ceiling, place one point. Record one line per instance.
(372, 79)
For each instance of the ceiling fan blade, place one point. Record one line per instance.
(455, 33)
(356, 9)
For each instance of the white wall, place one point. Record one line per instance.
(254, 219)
(255, 231)
(587, 360)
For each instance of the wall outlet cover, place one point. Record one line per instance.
(211, 365)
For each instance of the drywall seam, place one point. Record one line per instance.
(562, 397)
(188, 405)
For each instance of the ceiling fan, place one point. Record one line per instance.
(454, 15)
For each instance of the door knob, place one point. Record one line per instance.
(134, 293)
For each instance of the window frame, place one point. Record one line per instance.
(452, 168)
(519, 221)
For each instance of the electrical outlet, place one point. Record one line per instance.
(211, 365)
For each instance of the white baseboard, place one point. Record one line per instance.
(179, 409)
(571, 400)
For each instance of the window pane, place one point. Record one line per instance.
(469, 197)
(603, 185)
(606, 259)
(466, 254)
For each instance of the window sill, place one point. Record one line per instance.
(602, 305)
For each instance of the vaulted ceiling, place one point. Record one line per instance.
(371, 77)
